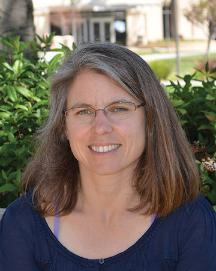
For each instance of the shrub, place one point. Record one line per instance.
(23, 105)
(209, 67)
(162, 68)
(196, 107)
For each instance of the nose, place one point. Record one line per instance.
(101, 123)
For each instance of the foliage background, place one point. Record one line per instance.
(195, 103)
(24, 84)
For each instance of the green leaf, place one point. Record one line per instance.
(17, 66)
(11, 92)
(207, 67)
(210, 97)
(11, 137)
(205, 127)
(5, 115)
(53, 62)
(7, 66)
(40, 38)
(27, 93)
(18, 175)
(211, 116)
(177, 103)
(187, 78)
(20, 106)
(8, 187)
(74, 46)
(182, 111)
(24, 91)
(6, 42)
(4, 175)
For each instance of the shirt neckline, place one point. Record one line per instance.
(142, 241)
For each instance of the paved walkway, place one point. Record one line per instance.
(151, 57)
(189, 49)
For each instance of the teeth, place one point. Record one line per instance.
(104, 148)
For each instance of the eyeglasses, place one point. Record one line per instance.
(115, 112)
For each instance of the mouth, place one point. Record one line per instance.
(104, 148)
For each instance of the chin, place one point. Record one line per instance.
(103, 169)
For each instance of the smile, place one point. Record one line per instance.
(106, 148)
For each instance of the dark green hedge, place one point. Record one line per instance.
(195, 103)
(24, 84)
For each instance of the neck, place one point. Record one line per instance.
(106, 196)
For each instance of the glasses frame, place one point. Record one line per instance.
(136, 106)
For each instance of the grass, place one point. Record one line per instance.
(167, 46)
(147, 51)
(187, 64)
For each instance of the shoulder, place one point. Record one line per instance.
(197, 214)
(17, 226)
(20, 213)
(188, 232)
(195, 210)
(191, 224)
(196, 224)
(22, 237)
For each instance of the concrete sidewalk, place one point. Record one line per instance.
(185, 49)
(161, 56)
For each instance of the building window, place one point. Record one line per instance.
(107, 31)
(56, 29)
(102, 30)
(96, 27)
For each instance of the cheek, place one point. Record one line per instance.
(138, 140)
(75, 133)
(133, 135)
(139, 137)
(76, 138)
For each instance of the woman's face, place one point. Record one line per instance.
(103, 146)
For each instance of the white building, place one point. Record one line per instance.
(188, 30)
(126, 22)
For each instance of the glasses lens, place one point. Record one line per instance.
(82, 114)
(120, 110)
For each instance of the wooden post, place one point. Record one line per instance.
(176, 31)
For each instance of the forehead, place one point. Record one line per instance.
(94, 88)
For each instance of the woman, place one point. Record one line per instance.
(113, 185)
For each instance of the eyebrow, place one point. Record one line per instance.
(78, 104)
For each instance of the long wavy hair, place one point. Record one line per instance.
(166, 175)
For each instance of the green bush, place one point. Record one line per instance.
(208, 67)
(23, 105)
(195, 103)
(162, 68)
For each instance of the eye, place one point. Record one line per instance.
(84, 112)
(119, 108)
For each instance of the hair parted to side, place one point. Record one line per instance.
(166, 175)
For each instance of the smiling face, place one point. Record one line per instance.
(103, 146)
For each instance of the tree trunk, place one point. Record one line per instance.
(210, 35)
(16, 18)
(208, 47)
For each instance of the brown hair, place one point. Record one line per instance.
(166, 175)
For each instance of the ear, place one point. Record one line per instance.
(64, 137)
